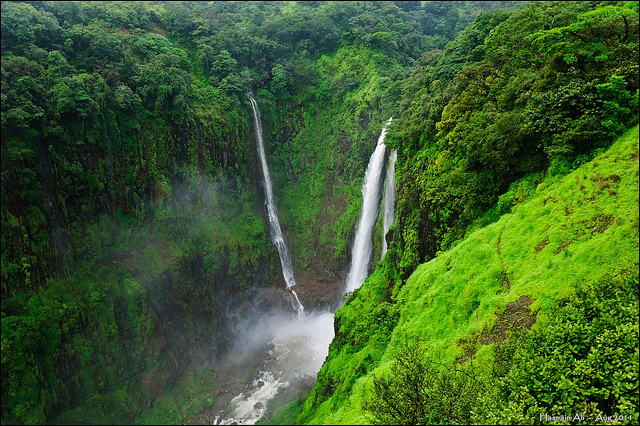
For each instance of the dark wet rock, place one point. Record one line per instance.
(321, 291)
(260, 383)
(258, 406)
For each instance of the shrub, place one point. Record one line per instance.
(420, 390)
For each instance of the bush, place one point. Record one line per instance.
(584, 361)
(419, 390)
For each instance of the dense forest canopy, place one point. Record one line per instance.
(132, 214)
(545, 90)
(109, 99)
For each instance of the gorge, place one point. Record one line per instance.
(300, 345)
(208, 216)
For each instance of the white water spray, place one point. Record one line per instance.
(362, 244)
(299, 346)
(274, 224)
(389, 199)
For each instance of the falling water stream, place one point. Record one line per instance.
(274, 223)
(389, 199)
(362, 244)
(299, 344)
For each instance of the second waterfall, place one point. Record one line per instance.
(274, 223)
(362, 244)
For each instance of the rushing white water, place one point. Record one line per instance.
(274, 223)
(389, 199)
(300, 346)
(362, 244)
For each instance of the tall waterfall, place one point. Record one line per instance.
(362, 244)
(274, 224)
(389, 199)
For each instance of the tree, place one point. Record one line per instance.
(422, 391)
(281, 80)
(593, 36)
(223, 64)
(408, 6)
(23, 25)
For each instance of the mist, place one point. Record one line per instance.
(289, 350)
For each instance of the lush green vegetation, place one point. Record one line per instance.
(132, 216)
(107, 340)
(564, 261)
(419, 391)
(503, 101)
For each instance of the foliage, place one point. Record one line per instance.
(564, 241)
(503, 101)
(130, 190)
(421, 391)
(583, 362)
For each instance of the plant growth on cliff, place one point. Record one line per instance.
(133, 229)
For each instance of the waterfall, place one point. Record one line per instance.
(389, 199)
(362, 244)
(274, 224)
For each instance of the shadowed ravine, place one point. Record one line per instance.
(289, 350)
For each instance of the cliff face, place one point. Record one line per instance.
(134, 238)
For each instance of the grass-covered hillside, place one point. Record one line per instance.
(534, 314)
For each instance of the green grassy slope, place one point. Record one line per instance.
(573, 231)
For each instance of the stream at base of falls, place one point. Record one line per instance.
(297, 346)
